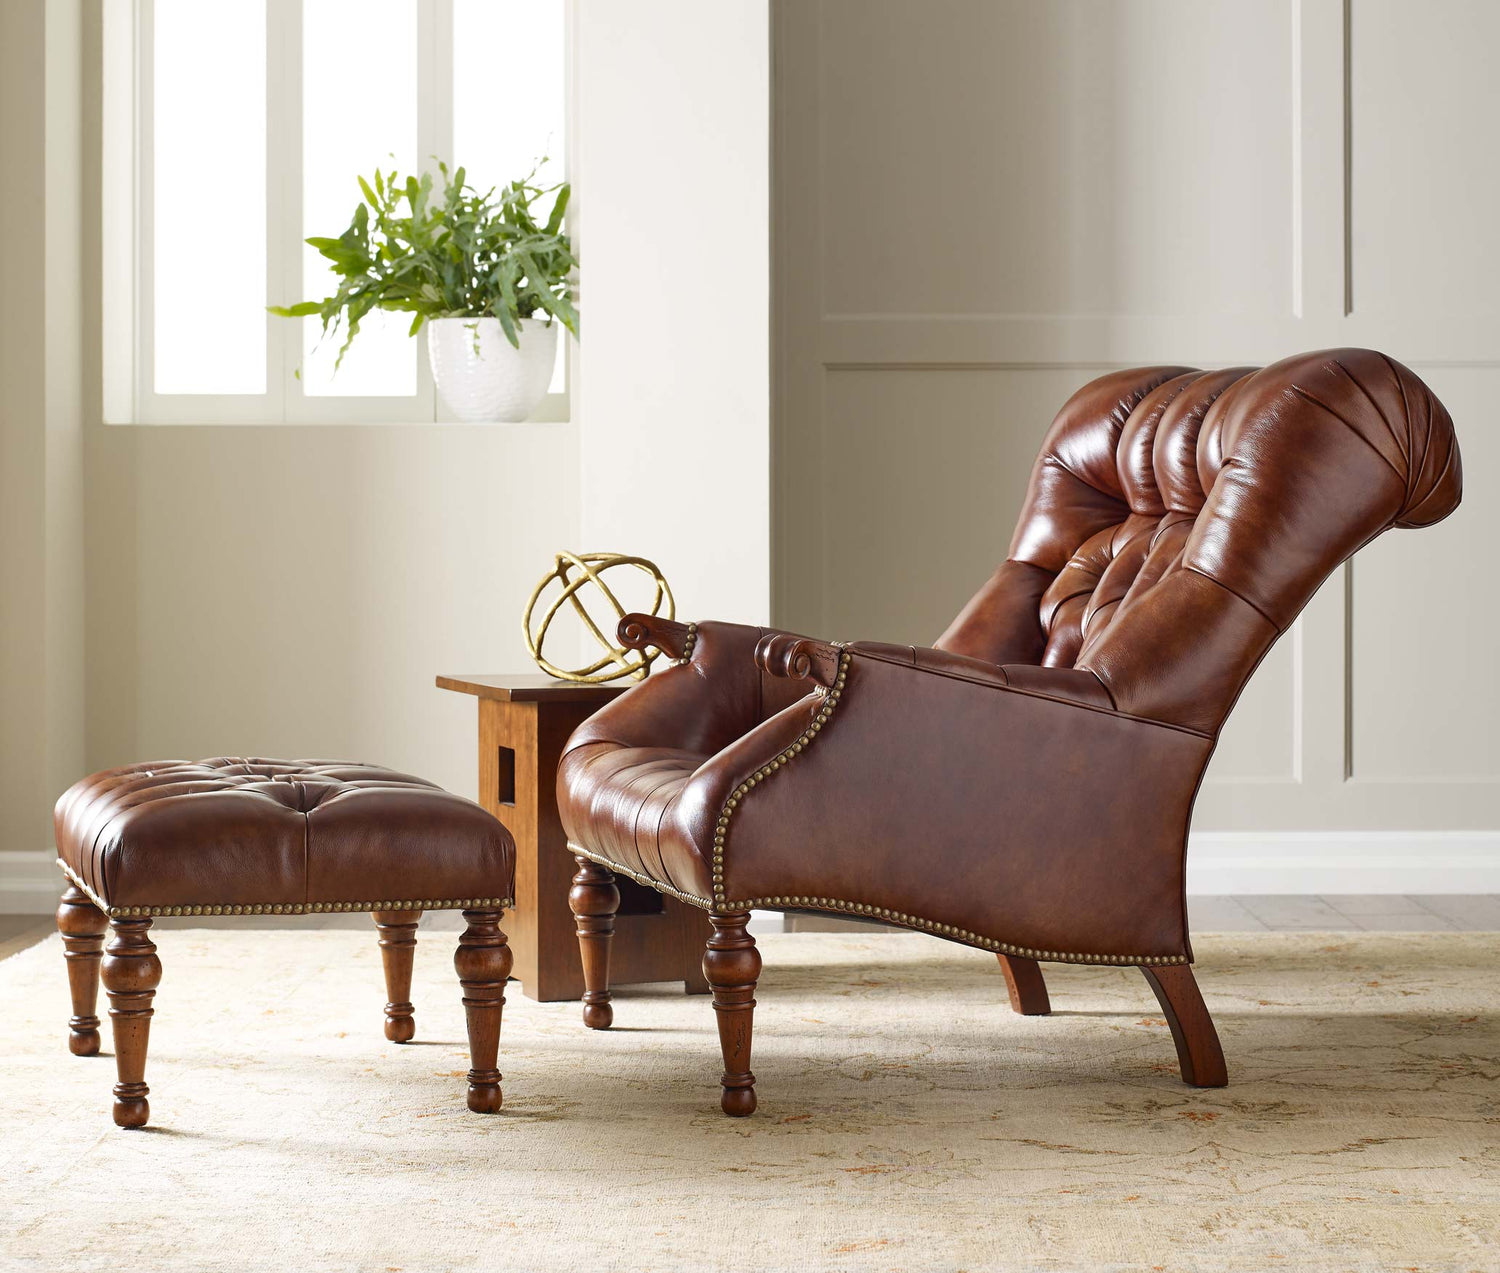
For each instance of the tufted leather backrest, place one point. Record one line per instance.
(1177, 521)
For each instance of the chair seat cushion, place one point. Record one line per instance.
(230, 836)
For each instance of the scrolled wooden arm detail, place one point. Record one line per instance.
(638, 631)
(799, 658)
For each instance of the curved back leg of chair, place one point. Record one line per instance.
(1025, 985)
(1198, 1050)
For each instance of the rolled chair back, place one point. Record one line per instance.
(1177, 521)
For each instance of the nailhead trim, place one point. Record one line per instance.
(804, 740)
(689, 643)
(877, 912)
(721, 904)
(954, 932)
(639, 878)
(286, 908)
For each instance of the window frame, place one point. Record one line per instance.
(128, 188)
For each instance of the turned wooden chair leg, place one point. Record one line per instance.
(1025, 985)
(82, 925)
(595, 899)
(1198, 1051)
(131, 973)
(398, 944)
(732, 966)
(483, 962)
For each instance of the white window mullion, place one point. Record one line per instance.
(341, 155)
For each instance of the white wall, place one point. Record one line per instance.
(41, 453)
(293, 590)
(982, 204)
(672, 177)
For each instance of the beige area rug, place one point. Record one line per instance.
(908, 1119)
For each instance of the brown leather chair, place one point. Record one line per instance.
(1026, 785)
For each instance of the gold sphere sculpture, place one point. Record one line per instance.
(576, 572)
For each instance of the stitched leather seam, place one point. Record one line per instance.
(805, 739)
(1129, 403)
(1437, 483)
(1154, 425)
(1108, 693)
(1410, 442)
(660, 818)
(1083, 481)
(1380, 411)
(1323, 406)
(876, 912)
(1203, 574)
(284, 908)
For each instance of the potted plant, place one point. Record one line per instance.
(489, 280)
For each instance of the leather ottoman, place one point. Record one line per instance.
(274, 837)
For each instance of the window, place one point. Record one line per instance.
(234, 130)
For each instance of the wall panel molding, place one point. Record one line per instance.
(864, 387)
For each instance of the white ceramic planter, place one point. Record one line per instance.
(495, 382)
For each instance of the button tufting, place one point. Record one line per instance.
(268, 835)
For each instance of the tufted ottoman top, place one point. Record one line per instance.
(236, 836)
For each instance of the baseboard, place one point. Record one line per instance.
(30, 883)
(1229, 862)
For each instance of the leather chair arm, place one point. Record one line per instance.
(714, 694)
(1042, 795)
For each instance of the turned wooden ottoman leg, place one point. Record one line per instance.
(131, 973)
(1025, 985)
(82, 925)
(595, 899)
(483, 961)
(732, 965)
(398, 944)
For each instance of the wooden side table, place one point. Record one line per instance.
(524, 721)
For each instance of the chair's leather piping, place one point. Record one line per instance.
(285, 908)
(603, 861)
(954, 933)
(950, 931)
(805, 739)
